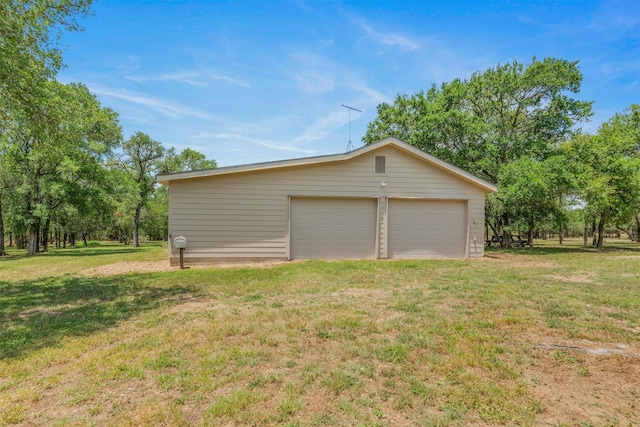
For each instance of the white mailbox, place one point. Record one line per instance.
(180, 242)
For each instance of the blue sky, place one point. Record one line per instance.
(246, 82)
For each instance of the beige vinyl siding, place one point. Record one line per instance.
(246, 215)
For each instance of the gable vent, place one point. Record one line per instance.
(380, 164)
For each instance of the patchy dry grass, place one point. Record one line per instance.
(515, 339)
(76, 260)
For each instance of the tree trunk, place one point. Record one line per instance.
(136, 226)
(506, 235)
(2, 248)
(32, 247)
(628, 231)
(603, 218)
(530, 235)
(560, 234)
(45, 235)
(493, 229)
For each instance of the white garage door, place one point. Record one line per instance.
(427, 229)
(333, 228)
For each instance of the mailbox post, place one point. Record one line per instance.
(180, 242)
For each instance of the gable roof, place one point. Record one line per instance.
(332, 158)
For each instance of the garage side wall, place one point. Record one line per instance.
(246, 215)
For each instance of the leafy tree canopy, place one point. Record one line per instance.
(493, 118)
(30, 53)
(607, 168)
(186, 160)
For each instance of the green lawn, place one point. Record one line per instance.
(511, 339)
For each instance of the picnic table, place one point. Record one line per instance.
(516, 240)
(494, 239)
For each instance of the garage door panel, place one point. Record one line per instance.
(427, 229)
(325, 228)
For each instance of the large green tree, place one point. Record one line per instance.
(141, 159)
(7, 181)
(142, 206)
(30, 57)
(497, 117)
(608, 169)
(154, 221)
(536, 192)
(58, 158)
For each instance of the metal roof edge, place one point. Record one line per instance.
(252, 167)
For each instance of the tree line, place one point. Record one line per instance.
(66, 172)
(517, 126)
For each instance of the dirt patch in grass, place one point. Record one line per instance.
(197, 304)
(369, 294)
(56, 310)
(524, 261)
(128, 267)
(573, 278)
(588, 348)
(580, 387)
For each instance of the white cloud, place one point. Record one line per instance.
(315, 82)
(371, 97)
(246, 139)
(612, 70)
(215, 76)
(129, 64)
(323, 127)
(614, 17)
(314, 73)
(388, 40)
(166, 108)
(193, 78)
(188, 77)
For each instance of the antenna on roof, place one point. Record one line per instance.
(350, 145)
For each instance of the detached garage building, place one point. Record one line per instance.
(384, 200)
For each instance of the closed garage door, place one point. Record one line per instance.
(333, 228)
(427, 229)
